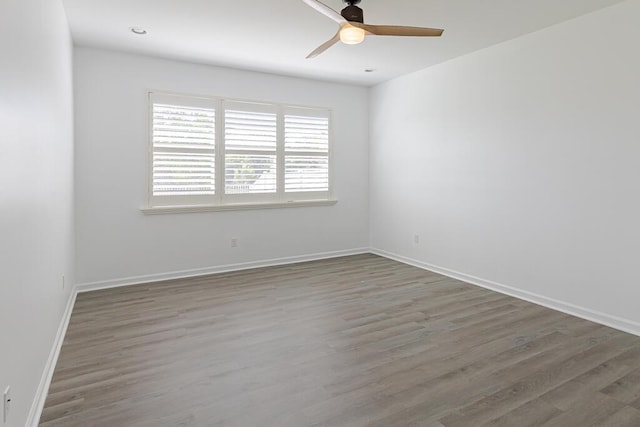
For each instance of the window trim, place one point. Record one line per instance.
(228, 202)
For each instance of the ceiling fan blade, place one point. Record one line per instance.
(326, 45)
(326, 10)
(395, 30)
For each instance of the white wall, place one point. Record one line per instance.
(36, 194)
(115, 241)
(519, 165)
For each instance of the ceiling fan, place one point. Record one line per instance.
(353, 29)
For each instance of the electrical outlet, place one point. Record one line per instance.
(416, 239)
(6, 398)
(234, 242)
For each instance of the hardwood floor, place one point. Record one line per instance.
(350, 341)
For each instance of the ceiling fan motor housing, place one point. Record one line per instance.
(353, 13)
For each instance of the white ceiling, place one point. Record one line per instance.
(276, 36)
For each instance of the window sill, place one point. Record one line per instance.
(159, 210)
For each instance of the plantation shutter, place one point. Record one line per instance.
(207, 152)
(183, 140)
(306, 151)
(250, 135)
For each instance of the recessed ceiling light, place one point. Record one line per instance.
(138, 31)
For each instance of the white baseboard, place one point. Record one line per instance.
(625, 325)
(136, 280)
(43, 388)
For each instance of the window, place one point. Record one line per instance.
(210, 152)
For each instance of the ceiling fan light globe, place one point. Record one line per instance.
(351, 35)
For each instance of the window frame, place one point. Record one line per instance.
(220, 201)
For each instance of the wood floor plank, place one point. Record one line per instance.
(531, 414)
(536, 383)
(357, 341)
(566, 395)
(625, 389)
(449, 392)
(592, 410)
(625, 417)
